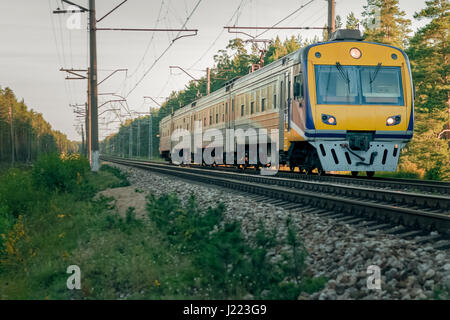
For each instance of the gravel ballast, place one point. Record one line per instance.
(339, 252)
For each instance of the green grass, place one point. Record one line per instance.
(118, 257)
(178, 252)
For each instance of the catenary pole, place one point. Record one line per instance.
(93, 114)
(331, 17)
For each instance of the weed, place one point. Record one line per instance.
(228, 266)
(123, 180)
(61, 174)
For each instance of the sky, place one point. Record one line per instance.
(35, 44)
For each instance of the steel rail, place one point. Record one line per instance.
(410, 217)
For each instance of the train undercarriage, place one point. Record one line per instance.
(301, 156)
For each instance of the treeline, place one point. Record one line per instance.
(427, 155)
(24, 134)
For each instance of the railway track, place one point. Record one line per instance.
(432, 187)
(409, 215)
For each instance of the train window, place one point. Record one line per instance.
(359, 85)
(298, 87)
(263, 104)
(336, 84)
(381, 85)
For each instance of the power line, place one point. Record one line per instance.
(150, 42)
(61, 58)
(287, 17)
(218, 37)
(164, 52)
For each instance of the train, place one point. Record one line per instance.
(341, 105)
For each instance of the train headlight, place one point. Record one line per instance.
(330, 120)
(394, 120)
(355, 53)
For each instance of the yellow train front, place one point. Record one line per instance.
(357, 101)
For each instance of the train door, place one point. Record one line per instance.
(281, 108)
(287, 101)
(229, 118)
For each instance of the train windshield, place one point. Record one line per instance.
(359, 85)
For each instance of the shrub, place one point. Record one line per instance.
(16, 191)
(6, 223)
(227, 265)
(117, 173)
(434, 173)
(60, 173)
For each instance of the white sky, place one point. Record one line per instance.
(35, 44)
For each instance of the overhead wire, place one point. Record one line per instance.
(285, 18)
(151, 39)
(164, 52)
(60, 53)
(220, 34)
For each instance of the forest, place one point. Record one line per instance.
(24, 133)
(426, 156)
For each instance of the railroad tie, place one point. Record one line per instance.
(396, 230)
(353, 220)
(292, 206)
(408, 234)
(427, 238)
(378, 226)
(441, 245)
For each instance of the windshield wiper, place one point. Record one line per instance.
(344, 75)
(374, 75)
(342, 72)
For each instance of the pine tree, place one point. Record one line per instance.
(31, 134)
(385, 23)
(338, 25)
(429, 54)
(338, 22)
(352, 21)
(275, 51)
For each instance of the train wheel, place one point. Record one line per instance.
(355, 173)
(370, 174)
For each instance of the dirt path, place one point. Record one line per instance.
(125, 198)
